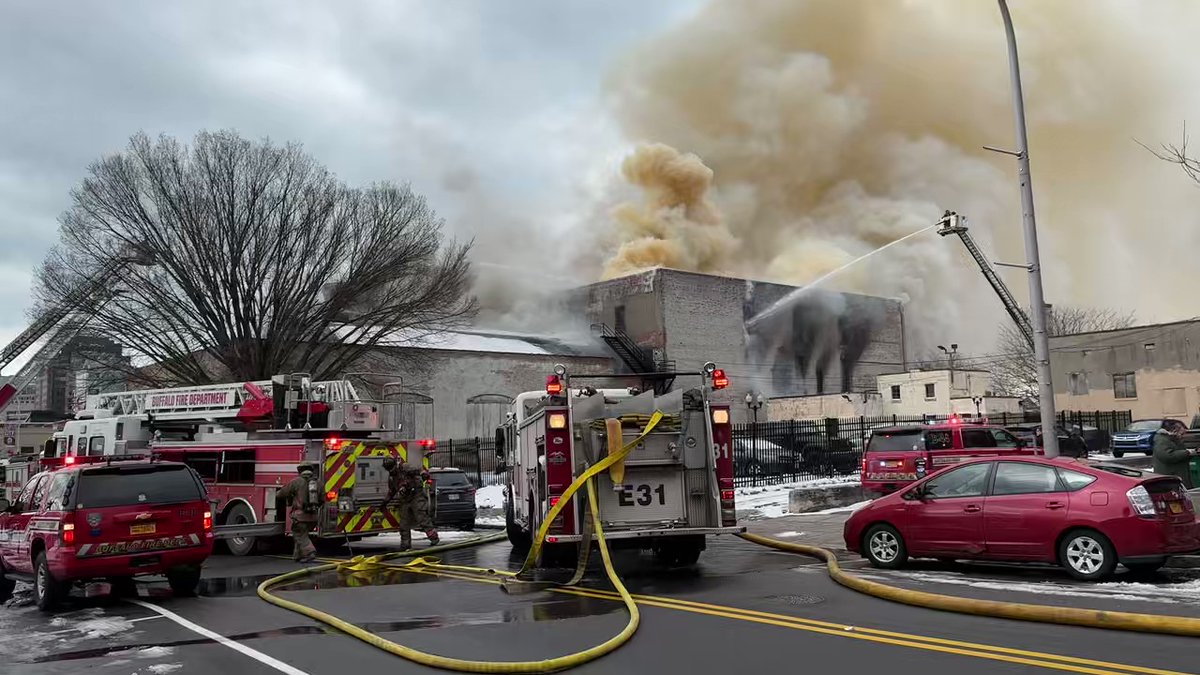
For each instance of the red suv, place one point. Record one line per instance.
(1085, 517)
(897, 456)
(112, 520)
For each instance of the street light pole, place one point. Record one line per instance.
(754, 403)
(1037, 301)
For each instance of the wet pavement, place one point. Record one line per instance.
(802, 617)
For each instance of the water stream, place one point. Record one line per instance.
(791, 298)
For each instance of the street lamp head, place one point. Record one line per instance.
(749, 398)
(943, 349)
(953, 346)
(760, 400)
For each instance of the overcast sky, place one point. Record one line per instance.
(500, 95)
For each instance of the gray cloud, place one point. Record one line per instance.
(476, 103)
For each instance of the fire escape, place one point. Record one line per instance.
(639, 360)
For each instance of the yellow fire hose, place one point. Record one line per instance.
(1074, 616)
(436, 661)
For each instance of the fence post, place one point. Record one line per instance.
(755, 463)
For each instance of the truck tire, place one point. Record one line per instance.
(6, 586)
(183, 581)
(679, 553)
(240, 514)
(516, 536)
(48, 592)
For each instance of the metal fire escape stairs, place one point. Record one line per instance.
(638, 359)
(952, 223)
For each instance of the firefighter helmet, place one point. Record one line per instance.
(389, 463)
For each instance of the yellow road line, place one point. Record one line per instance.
(1006, 654)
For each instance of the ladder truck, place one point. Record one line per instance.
(952, 223)
(59, 324)
(673, 491)
(246, 440)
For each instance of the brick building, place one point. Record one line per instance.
(820, 342)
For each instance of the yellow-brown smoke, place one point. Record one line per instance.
(832, 127)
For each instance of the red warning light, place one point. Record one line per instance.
(553, 385)
(720, 381)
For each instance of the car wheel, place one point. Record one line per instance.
(183, 581)
(1087, 555)
(48, 592)
(1118, 453)
(240, 514)
(6, 586)
(678, 554)
(884, 547)
(123, 587)
(1146, 567)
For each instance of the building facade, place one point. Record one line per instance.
(1152, 371)
(916, 393)
(771, 339)
(60, 387)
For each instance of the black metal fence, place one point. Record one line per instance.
(475, 456)
(767, 453)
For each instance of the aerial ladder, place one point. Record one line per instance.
(57, 326)
(952, 223)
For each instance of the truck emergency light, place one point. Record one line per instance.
(428, 443)
(553, 385)
(558, 421)
(719, 380)
(720, 416)
(333, 442)
(69, 459)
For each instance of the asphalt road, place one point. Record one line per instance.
(743, 609)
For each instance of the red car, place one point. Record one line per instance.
(105, 520)
(897, 456)
(1085, 517)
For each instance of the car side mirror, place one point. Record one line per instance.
(5, 505)
(500, 441)
(915, 494)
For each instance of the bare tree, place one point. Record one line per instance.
(1178, 154)
(260, 261)
(1013, 367)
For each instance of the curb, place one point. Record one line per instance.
(1090, 618)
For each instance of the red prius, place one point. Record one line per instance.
(1086, 517)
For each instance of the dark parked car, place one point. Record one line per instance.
(455, 499)
(1070, 443)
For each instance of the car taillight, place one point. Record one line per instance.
(208, 520)
(554, 501)
(727, 495)
(68, 533)
(1140, 500)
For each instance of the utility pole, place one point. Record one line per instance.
(1037, 300)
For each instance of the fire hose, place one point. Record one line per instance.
(514, 581)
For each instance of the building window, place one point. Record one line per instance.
(1077, 384)
(895, 392)
(1124, 385)
(930, 391)
(619, 318)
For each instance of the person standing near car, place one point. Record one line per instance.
(304, 504)
(406, 486)
(1171, 458)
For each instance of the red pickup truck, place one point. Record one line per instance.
(897, 456)
(105, 520)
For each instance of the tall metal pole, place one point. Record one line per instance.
(1037, 301)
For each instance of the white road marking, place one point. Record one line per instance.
(197, 628)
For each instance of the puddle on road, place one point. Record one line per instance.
(548, 610)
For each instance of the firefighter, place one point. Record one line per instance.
(304, 498)
(407, 486)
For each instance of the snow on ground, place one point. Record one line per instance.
(1182, 593)
(771, 501)
(493, 521)
(393, 540)
(490, 497)
(837, 509)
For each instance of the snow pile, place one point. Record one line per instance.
(164, 668)
(837, 509)
(490, 497)
(1182, 593)
(771, 501)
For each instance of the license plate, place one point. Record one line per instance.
(1176, 507)
(453, 498)
(146, 528)
(890, 464)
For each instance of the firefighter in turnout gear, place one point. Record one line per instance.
(407, 486)
(303, 498)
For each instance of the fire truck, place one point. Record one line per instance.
(246, 440)
(674, 489)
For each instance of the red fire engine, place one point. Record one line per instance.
(674, 489)
(246, 445)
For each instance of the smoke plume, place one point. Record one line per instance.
(823, 129)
